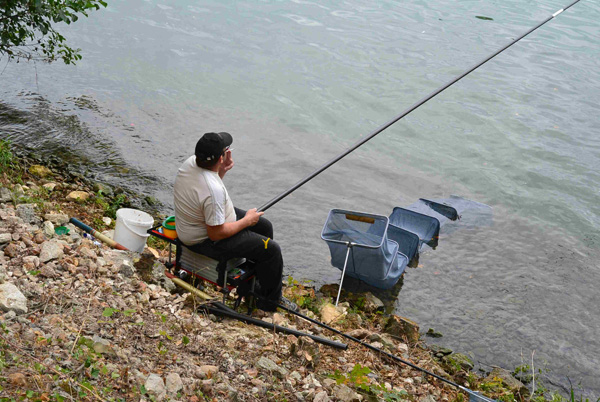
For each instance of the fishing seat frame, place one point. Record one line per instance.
(235, 273)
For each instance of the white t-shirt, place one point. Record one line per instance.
(200, 199)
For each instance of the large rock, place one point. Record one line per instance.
(57, 219)
(403, 328)
(322, 397)
(51, 250)
(174, 383)
(372, 303)
(505, 377)
(207, 371)
(12, 250)
(50, 186)
(11, 299)
(155, 387)
(359, 333)
(344, 393)
(40, 171)
(270, 366)
(5, 238)
(330, 313)
(385, 339)
(78, 196)
(27, 213)
(5, 195)
(118, 257)
(48, 229)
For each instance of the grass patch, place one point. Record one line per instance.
(109, 206)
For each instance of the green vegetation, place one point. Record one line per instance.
(27, 28)
(110, 206)
(359, 379)
(6, 156)
(302, 295)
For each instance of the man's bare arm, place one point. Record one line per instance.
(229, 229)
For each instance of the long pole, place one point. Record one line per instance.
(378, 350)
(97, 234)
(222, 310)
(407, 111)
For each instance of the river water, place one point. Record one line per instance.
(296, 82)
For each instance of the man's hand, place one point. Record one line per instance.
(252, 216)
(227, 164)
(229, 229)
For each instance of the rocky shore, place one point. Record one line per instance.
(81, 321)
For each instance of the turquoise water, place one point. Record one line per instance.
(297, 82)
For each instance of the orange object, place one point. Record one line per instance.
(169, 227)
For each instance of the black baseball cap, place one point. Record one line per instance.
(212, 145)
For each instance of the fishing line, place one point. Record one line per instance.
(407, 111)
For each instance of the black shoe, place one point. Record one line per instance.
(266, 306)
(287, 303)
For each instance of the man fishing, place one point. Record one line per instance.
(209, 224)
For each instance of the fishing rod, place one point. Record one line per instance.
(471, 393)
(407, 111)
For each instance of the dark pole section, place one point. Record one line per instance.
(391, 356)
(227, 312)
(366, 345)
(406, 112)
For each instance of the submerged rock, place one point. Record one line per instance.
(433, 333)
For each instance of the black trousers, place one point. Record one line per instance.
(256, 244)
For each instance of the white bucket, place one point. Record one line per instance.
(131, 227)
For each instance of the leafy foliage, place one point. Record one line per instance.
(27, 28)
(6, 157)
